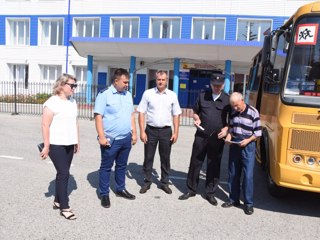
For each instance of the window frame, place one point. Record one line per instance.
(260, 20)
(75, 30)
(112, 32)
(57, 74)
(12, 40)
(162, 18)
(214, 19)
(41, 29)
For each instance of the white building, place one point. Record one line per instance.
(139, 35)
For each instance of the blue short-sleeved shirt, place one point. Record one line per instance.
(116, 109)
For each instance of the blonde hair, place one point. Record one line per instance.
(61, 81)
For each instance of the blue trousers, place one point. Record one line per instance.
(241, 161)
(118, 153)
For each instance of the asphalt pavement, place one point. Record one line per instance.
(27, 188)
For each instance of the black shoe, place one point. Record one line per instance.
(144, 188)
(187, 195)
(248, 210)
(230, 204)
(105, 201)
(166, 189)
(125, 194)
(212, 200)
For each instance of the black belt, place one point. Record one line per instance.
(152, 127)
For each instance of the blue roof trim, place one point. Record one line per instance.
(165, 41)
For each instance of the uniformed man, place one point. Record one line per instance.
(210, 117)
(116, 128)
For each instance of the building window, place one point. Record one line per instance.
(51, 32)
(50, 73)
(165, 28)
(87, 27)
(124, 28)
(253, 30)
(80, 73)
(19, 32)
(19, 74)
(208, 28)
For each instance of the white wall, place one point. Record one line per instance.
(234, 7)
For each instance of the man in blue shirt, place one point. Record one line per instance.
(116, 128)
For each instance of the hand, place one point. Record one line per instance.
(222, 133)
(76, 148)
(45, 153)
(197, 122)
(174, 138)
(134, 138)
(143, 137)
(228, 139)
(104, 142)
(244, 142)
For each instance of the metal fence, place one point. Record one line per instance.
(21, 98)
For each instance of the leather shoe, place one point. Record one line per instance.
(105, 201)
(144, 188)
(230, 204)
(125, 194)
(248, 210)
(187, 195)
(166, 189)
(212, 200)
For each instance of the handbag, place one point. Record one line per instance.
(40, 146)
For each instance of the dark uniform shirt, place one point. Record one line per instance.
(213, 114)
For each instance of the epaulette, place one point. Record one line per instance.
(103, 90)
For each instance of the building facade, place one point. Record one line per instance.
(40, 39)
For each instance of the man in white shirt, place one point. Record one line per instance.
(162, 109)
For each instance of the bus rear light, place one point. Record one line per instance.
(297, 158)
(311, 160)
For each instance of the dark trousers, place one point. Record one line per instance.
(211, 147)
(241, 160)
(118, 153)
(61, 157)
(155, 136)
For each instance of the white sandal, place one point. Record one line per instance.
(68, 214)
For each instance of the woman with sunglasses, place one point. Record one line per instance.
(60, 131)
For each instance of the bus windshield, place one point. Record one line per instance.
(302, 86)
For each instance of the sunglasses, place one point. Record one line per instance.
(72, 85)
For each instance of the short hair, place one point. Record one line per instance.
(61, 81)
(118, 73)
(161, 72)
(236, 96)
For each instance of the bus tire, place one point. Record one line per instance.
(273, 188)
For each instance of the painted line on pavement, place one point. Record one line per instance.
(11, 157)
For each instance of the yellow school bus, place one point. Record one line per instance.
(284, 85)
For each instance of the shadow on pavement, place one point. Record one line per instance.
(293, 202)
(72, 185)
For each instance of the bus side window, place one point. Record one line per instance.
(254, 79)
(272, 83)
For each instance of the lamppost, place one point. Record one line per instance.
(68, 36)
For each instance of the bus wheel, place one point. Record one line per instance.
(273, 188)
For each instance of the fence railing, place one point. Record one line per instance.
(21, 98)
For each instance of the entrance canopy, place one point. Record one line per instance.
(214, 52)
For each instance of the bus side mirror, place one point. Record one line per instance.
(266, 51)
(274, 46)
